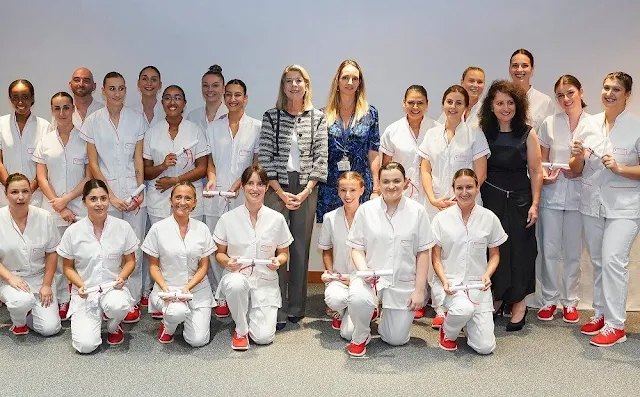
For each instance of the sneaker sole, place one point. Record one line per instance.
(570, 321)
(131, 321)
(157, 316)
(20, 333)
(448, 348)
(165, 342)
(545, 319)
(221, 315)
(240, 348)
(623, 339)
(592, 333)
(435, 326)
(336, 328)
(115, 343)
(357, 354)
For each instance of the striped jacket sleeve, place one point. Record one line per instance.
(319, 171)
(266, 153)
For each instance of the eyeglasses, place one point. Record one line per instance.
(168, 98)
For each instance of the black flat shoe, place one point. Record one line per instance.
(280, 326)
(294, 319)
(513, 327)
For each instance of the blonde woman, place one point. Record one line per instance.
(354, 137)
(293, 151)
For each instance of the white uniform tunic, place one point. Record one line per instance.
(399, 142)
(466, 146)
(116, 147)
(261, 288)
(541, 106)
(389, 243)
(464, 258)
(611, 205)
(97, 262)
(179, 260)
(17, 149)
(199, 116)
(231, 156)
(157, 144)
(66, 166)
(560, 246)
(77, 119)
(23, 254)
(158, 113)
(471, 119)
(333, 235)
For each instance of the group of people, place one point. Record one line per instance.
(223, 207)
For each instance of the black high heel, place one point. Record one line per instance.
(513, 327)
(499, 312)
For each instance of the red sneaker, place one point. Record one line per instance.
(222, 310)
(447, 344)
(63, 310)
(144, 301)
(337, 322)
(375, 314)
(157, 315)
(164, 337)
(133, 316)
(438, 320)
(609, 336)
(19, 330)
(239, 342)
(594, 326)
(570, 315)
(419, 313)
(546, 312)
(117, 337)
(358, 350)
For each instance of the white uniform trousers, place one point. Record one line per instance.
(336, 296)
(609, 243)
(258, 322)
(196, 322)
(215, 271)
(462, 312)
(560, 249)
(86, 319)
(395, 326)
(63, 295)
(138, 221)
(43, 320)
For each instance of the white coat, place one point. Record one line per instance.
(157, 144)
(23, 254)
(199, 116)
(392, 244)
(97, 261)
(116, 147)
(66, 166)
(464, 248)
(231, 156)
(399, 142)
(541, 106)
(158, 113)
(466, 146)
(333, 235)
(17, 149)
(179, 258)
(234, 230)
(77, 119)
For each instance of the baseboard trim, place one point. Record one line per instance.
(314, 277)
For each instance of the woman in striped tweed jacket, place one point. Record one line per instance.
(294, 151)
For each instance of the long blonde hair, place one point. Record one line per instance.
(281, 103)
(333, 103)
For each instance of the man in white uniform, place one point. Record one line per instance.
(82, 86)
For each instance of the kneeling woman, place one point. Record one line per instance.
(463, 233)
(252, 291)
(388, 232)
(28, 261)
(96, 252)
(336, 254)
(167, 245)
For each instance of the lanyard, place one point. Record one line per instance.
(343, 143)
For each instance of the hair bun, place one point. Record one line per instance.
(215, 69)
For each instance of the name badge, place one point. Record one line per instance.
(244, 153)
(78, 161)
(113, 257)
(130, 146)
(344, 165)
(37, 252)
(407, 243)
(266, 248)
(479, 245)
(620, 150)
(459, 157)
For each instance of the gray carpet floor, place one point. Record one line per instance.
(548, 359)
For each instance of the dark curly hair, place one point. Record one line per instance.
(487, 119)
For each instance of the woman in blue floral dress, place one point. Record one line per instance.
(354, 137)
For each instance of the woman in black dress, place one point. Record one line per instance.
(512, 192)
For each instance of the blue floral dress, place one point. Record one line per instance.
(355, 143)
